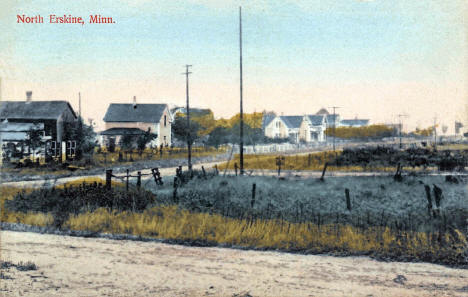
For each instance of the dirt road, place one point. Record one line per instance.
(74, 266)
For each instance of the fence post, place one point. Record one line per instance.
(397, 176)
(348, 199)
(252, 202)
(429, 200)
(138, 183)
(235, 168)
(157, 176)
(108, 179)
(174, 193)
(204, 172)
(323, 172)
(216, 169)
(128, 176)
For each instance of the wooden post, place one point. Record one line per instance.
(323, 172)
(204, 172)
(437, 197)
(397, 176)
(235, 168)
(348, 199)
(429, 200)
(252, 202)
(174, 193)
(216, 169)
(157, 176)
(109, 179)
(128, 176)
(138, 184)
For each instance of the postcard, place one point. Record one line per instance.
(233, 148)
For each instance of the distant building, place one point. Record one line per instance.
(48, 118)
(313, 128)
(354, 123)
(295, 128)
(50, 114)
(136, 119)
(274, 126)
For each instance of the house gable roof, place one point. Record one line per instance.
(316, 119)
(147, 113)
(332, 118)
(267, 119)
(34, 110)
(292, 121)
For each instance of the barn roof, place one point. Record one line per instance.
(34, 110)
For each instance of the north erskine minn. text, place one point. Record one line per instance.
(63, 19)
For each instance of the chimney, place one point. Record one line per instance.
(134, 102)
(28, 96)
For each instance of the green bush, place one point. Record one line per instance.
(75, 199)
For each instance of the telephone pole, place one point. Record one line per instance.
(79, 104)
(241, 144)
(189, 143)
(334, 124)
(400, 127)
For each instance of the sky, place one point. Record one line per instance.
(374, 59)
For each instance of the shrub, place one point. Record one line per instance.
(62, 201)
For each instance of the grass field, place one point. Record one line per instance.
(387, 219)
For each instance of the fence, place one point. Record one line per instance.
(178, 179)
(119, 156)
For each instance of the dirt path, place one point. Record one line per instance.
(74, 266)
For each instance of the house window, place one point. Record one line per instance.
(165, 119)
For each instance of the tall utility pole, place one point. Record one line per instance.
(400, 127)
(189, 143)
(79, 104)
(241, 144)
(334, 124)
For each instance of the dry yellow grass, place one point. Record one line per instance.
(148, 154)
(315, 162)
(169, 222)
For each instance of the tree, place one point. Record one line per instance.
(219, 135)
(181, 131)
(127, 142)
(33, 140)
(143, 140)
(83, 135)
(251, 135)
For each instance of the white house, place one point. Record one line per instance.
(308, 128)
(135, 119)
(313, 128)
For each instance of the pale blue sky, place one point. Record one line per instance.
(291, 50)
